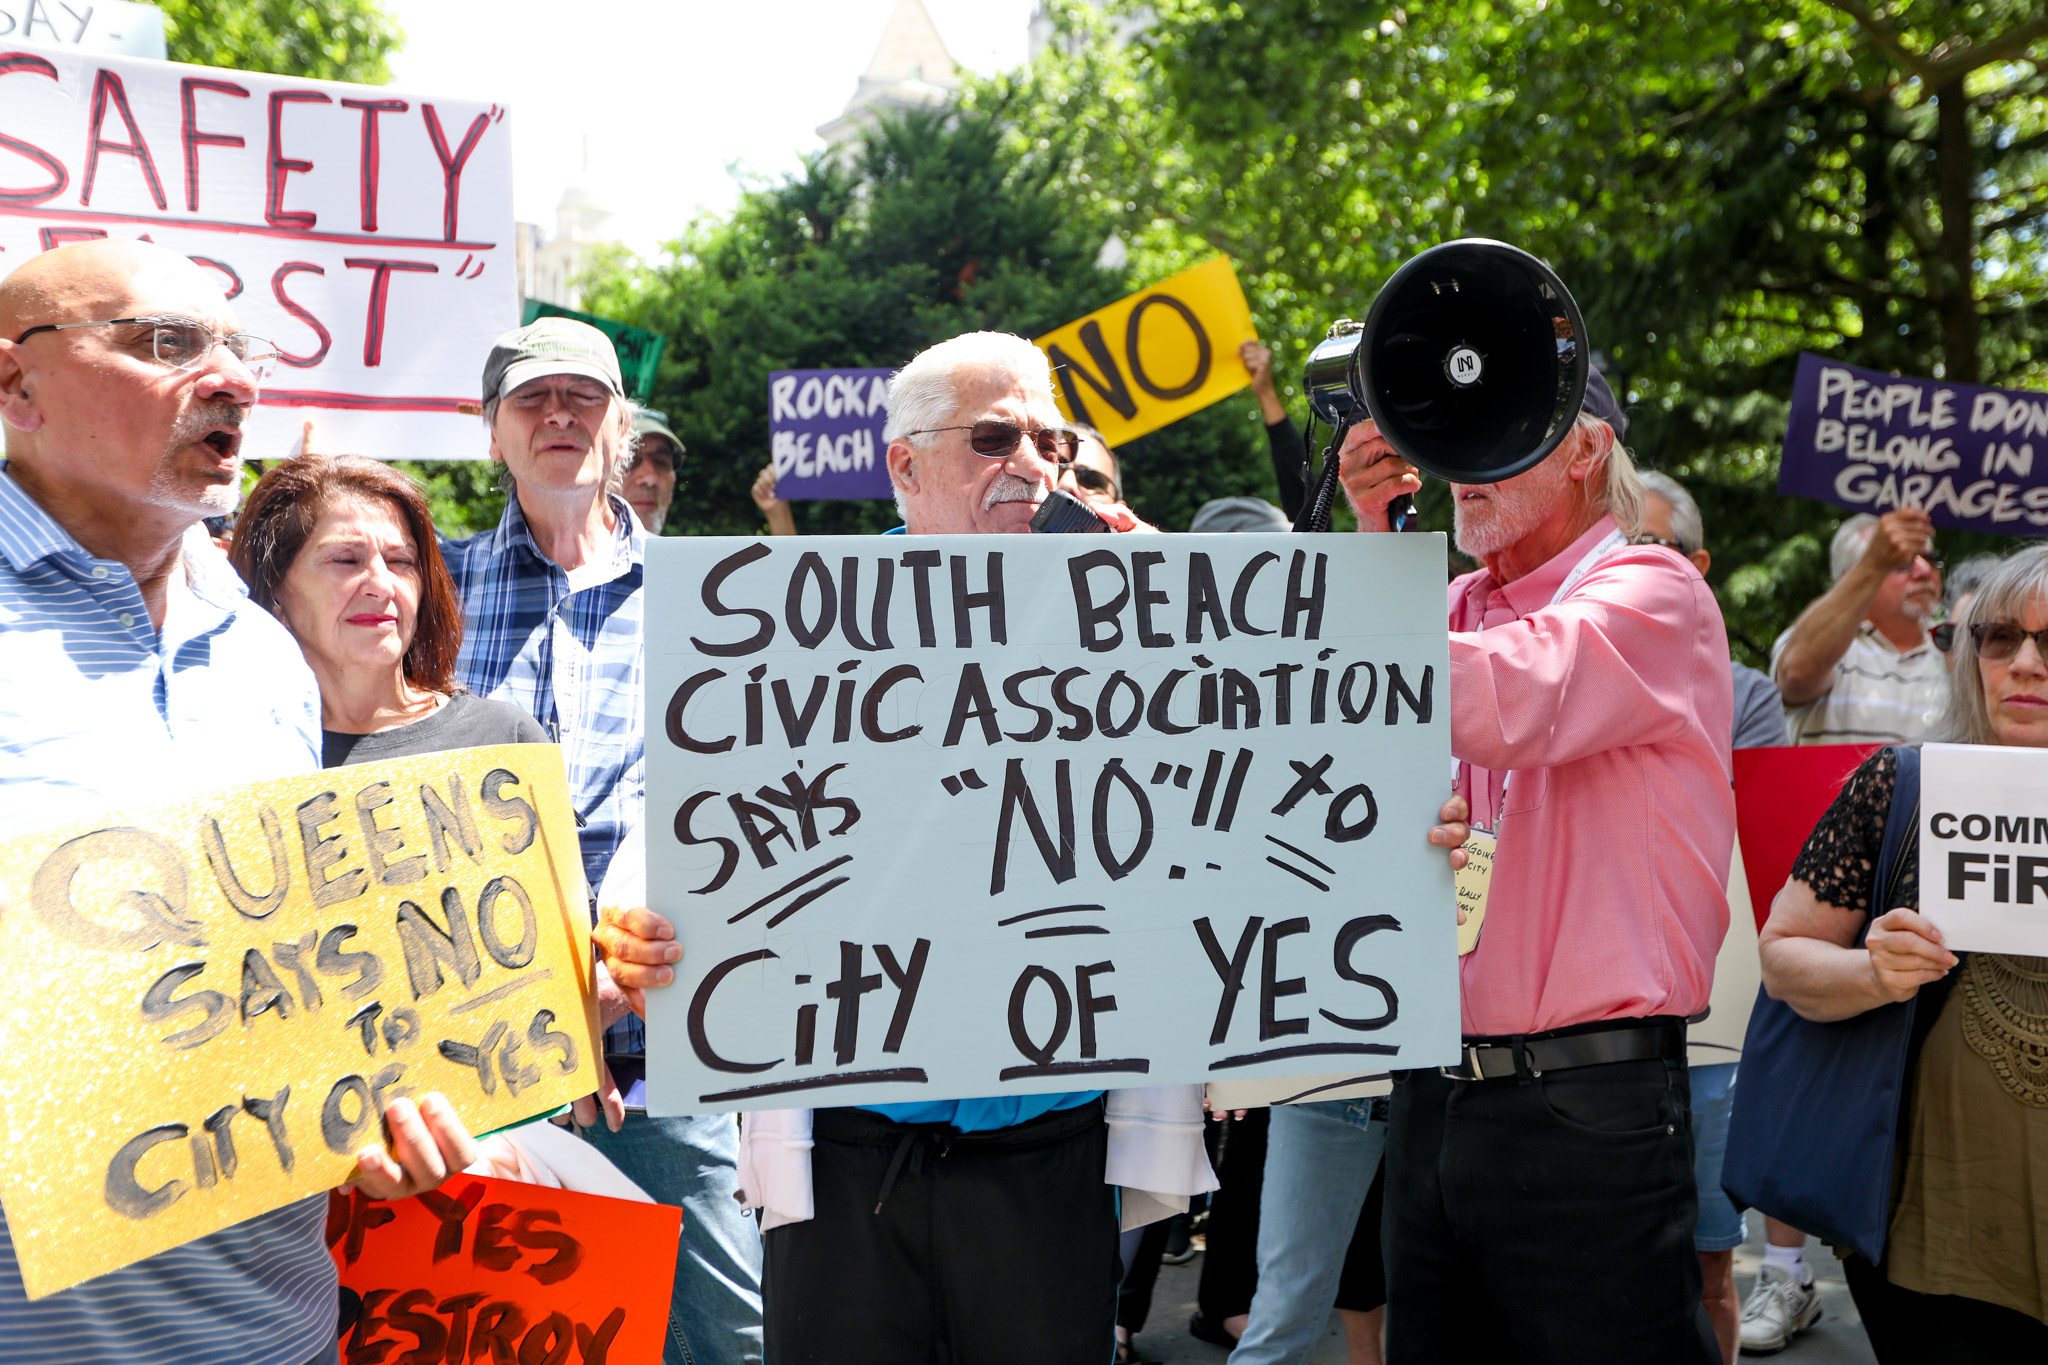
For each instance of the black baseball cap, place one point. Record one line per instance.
(1600, 402)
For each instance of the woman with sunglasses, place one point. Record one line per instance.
(1964, 1277)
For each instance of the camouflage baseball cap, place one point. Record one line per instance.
(550, 346)
(654, 423)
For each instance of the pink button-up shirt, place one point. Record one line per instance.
(1612, 709)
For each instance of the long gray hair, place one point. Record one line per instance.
(2019, 579)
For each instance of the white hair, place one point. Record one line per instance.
(925, 394)
(1624, 484)
(1847, 546)
(1687, 528)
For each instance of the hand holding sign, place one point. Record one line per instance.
(638, 948)
(428, 1141)
(1906, 953)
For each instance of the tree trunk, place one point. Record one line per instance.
(1954, 170)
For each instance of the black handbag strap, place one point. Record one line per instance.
(1900, 847)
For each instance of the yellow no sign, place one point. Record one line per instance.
(1155, 357)
(208, 1002)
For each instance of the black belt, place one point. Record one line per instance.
(1488, 1059)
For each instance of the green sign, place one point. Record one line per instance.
(639, 349)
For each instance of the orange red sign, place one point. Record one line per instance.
(499, 1271)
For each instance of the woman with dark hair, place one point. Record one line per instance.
(1961, 1275)
(342, 550)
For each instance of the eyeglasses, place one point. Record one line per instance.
(1944, 636)
(995, 439)
(1998, 641)
(1092, 479)
(183, 344)
(1647, 539)
(1937, 565)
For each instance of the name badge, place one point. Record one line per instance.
(1472, 881)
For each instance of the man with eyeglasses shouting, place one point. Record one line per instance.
(132, 665)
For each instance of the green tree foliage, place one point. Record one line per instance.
(1722, 184)
(938, 223)
(329, 40)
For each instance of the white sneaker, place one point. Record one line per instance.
(1778, 1309)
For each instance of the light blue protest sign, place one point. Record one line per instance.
(825, 433)
(950, 816)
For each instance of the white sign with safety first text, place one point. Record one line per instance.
(365, 231)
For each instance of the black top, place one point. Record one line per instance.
(1840, 858)
(1290, 464)
(463, 722)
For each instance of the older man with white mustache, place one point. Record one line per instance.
(998, 1242)
(976, 441)
(1540, 1192)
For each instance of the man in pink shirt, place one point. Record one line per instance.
(1540, 1199)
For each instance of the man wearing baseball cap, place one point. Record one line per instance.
(1540, 1191)
(649, 483)
(552, 613)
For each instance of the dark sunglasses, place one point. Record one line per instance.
(1998, 641)
(1647, 539)
(1094, 480)
(1943, 635)
(995, 439)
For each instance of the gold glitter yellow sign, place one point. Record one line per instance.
(207, 1003)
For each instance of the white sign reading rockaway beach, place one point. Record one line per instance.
(949, 816)
(366, 231)
(1984, 847)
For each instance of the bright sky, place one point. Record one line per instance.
(676, 97)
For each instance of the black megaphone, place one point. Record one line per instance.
(1472, 361)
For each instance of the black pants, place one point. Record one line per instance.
(1544, 1219)
(1907, 1327)
(1230, 1267)
(996, 1248)
(1134, 1293)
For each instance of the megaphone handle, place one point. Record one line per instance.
(1315, 513)
(1401, 513)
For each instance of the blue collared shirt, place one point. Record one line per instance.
(98, 710)
(575, 662)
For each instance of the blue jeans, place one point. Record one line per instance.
(1320, 1161)
(715, 1316)
(1713, 1100)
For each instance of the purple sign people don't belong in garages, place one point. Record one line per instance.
(825, 433)
(1871, 441)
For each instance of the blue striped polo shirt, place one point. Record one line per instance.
(98, 709)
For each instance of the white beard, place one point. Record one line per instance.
(209, 500)
(1513, 509)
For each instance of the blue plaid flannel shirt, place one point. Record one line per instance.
(575, 662)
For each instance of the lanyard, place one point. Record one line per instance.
(1612, 541)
